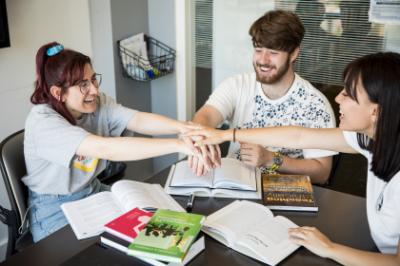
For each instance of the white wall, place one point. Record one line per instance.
(102, 44)
(33, 23)
(392, 33)
(232, 47)
(161, 19)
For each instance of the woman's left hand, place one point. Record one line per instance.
(312, 239)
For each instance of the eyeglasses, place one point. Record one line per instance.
(84, 85)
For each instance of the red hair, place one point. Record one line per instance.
(64, 69)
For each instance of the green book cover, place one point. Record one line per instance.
(167, 236)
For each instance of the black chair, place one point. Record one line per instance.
(12, 166)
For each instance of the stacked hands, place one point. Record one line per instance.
(203, 141)
(202, 157)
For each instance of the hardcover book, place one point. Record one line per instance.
(288, 192)
(128, 225)
(233, 179)
(88, 216)
(122, 245)
(251, 229)
(167, 236)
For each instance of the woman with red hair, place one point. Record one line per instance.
(73, 129)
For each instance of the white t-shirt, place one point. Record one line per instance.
(241, 100)
(384, 221)
(51, 142)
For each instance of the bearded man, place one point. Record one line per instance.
(273, 95)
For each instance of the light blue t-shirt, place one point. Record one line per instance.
(51, 142)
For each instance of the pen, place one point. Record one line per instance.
(150, 209)
(189, 204)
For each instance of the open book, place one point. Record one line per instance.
(250, 228)
(233, 179)
(88, 216)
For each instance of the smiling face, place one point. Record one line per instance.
(271, 65)
(78, 103)
(361, 115)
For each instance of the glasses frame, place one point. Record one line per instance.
(96, 83)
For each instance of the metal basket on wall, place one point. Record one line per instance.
(144, 58)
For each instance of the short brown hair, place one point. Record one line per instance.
(278, 30)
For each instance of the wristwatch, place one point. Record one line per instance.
(277, 161)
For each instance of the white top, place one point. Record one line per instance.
(384, 221)
(241, 100)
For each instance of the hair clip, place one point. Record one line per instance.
(54, 49)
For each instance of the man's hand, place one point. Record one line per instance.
(255, 155)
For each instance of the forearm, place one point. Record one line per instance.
(317, 169)
(208, 116)
(291, 137)
(154, 124)
(127, 148)
(350, 256)
(204, 121)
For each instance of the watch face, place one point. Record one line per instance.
(277, 159)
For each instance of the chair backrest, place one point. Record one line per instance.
(12, 166)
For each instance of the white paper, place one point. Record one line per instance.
(251, 229)
(88, 216)
(385, 11)
(240, 180)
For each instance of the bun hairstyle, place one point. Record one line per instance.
(56, 66)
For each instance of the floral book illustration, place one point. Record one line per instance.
(167, 236)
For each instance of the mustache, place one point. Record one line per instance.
(265, 65)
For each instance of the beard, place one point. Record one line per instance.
(273, 78)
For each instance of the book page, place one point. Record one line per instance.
(198, 191)
(88, 216)
(234, 174)
(183, 176)
(236, 219)
(235, 193)
(240, 194)
(133, 194)
(269, 239)
(185, 191)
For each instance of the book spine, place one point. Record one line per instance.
(122, 245)
(293, 208)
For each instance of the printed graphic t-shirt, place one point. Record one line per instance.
(51, 142)
(242, 102)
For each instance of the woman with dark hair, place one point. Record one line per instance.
(370, 125)
(73, 129)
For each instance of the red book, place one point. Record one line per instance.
(128, 225)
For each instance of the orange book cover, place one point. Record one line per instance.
(288, 192)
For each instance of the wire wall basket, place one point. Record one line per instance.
(144, 58)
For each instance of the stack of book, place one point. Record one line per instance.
(163, 238)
